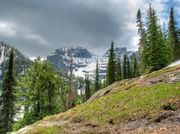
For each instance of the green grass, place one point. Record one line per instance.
(44, 130)
(125, 105)
(163, 71)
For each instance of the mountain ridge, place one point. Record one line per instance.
(84, 61)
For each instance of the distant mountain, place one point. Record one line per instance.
(84, 61)
(118, 51)
(22, 63)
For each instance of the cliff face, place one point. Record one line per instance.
(84, 61)
(148, 104)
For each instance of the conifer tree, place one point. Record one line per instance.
(125, 67)
(135, 71)
(128, 68)
(118, 70)
(156, 48)
(87, 88)
(43, 92)
(104, 83)
(7, 98)
(172, 37)
(143, 46)
(110, 73)
(97, 82)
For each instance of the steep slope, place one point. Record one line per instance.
(148, 104)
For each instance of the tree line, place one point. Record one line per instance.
(158, 47)
(117, 70)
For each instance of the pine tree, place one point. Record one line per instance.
(7, 99)
(87, 88)
(125, 67)
(110, 74)
(128, 68)
(135, 71)
(143, 46)
(178, 46)
(118, 70)
(156, 48)
(97, 82)
(172, 37)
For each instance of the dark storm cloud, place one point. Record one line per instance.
(37, 27)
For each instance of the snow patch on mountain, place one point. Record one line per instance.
(84, 61)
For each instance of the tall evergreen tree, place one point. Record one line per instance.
(7, 99)
(143, 46)
(135, 71)
(128, 68)
(172, 37)
(110, 73)
(125, 67)
(97, 81)
(157, 49)
(118, 70)
(178, 47)
(87, 88)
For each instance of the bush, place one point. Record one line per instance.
(169, 106)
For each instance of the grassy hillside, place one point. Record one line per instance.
(142, 99)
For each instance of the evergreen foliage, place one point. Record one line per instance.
(157, 49)
(128, 69)
(172, 37)
(110, 73)
(97, 81)
(125, 75)
(7, 98)
(135, 71)
(42, 92)
(87, 87)
(118, 70)
(154, 51)
(143, 48)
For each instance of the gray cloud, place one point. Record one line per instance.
(37, 27)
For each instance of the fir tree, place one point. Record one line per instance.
(125, 67)
(178, 46)
(128, 68)
(7, 99)
(156, 48)
(172, 37)
(118, 70)
(135, 72)
(110, 74)
(87, 88)
(97, 82)
(143, 46)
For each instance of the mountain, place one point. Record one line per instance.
(22, 63)
(84, 61)
(147, 104)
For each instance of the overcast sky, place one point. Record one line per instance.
(37, 27)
